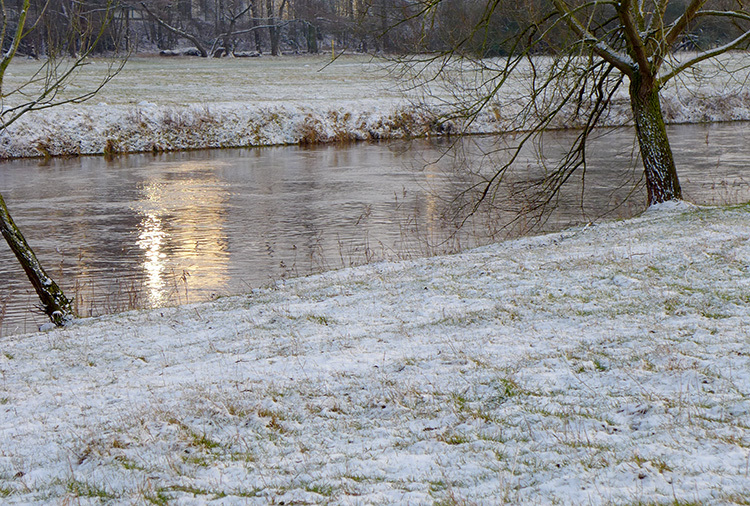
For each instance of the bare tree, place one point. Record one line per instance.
(571, 57)
(231, 19)
(232, 13)
(180, 32)
(44, 90)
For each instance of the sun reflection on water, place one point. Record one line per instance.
(181, 232)
(151, 239)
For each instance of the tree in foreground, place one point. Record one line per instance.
(570, 58)
(46, 88)
(54, 303)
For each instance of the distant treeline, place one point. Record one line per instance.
(254, 27)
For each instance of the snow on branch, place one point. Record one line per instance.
(620, 61)
(635, 42)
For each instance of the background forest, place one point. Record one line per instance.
(250, 28)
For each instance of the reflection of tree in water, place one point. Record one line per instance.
(604, 190)
(611, 187)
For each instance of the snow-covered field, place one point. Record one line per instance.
(158, 104)
(600, 365)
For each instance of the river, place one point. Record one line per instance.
(150, 230)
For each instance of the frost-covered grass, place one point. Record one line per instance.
(599, 365)
(158, 104)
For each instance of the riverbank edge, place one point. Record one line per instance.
(116, 130)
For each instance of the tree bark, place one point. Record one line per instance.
(53, 300)
(658, 163)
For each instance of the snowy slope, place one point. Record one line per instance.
(601, 365)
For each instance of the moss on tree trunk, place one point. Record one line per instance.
(658, 164)
(53, 300)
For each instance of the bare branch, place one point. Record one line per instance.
(8, 56)
(727, 14)
(53, 75)
(705, 56)
(681, 23)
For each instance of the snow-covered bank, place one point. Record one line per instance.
(599, 365)
(174, 104)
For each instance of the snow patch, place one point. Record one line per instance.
(671, 206)
(588, 366)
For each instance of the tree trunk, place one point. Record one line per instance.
(273, 29)
(311, 35)
(661, 174)
(126, 13)
(385, 26)
(54, 303)
(256, 33)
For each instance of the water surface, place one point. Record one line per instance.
(150, 230)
